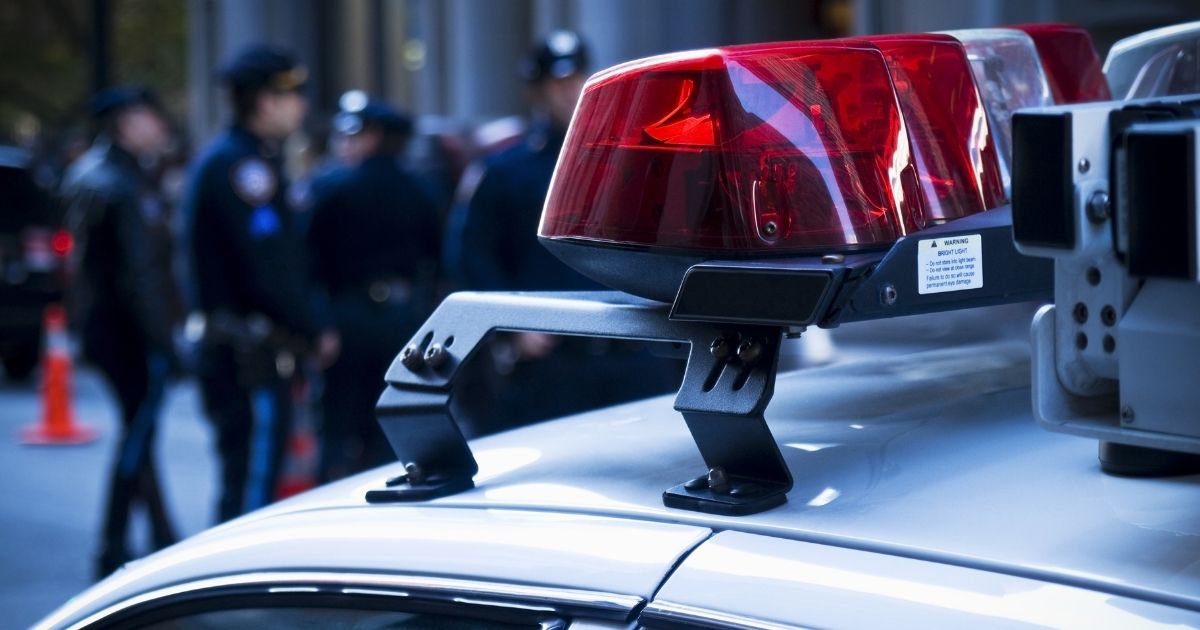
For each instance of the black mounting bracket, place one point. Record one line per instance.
(729, 380)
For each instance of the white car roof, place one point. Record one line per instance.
(932, 457)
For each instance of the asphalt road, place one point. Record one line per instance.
(52, 497)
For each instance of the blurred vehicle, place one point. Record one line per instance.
(33, 257)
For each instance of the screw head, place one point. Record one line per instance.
(718, 480)
(888, 294)
(1085, 165)
(720, 348)
(749, 350)
(436, 356)
(1127, 414)
(770, 228)
(410, 357)
(1098, 207)
(415, 474)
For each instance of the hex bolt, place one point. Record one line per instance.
(410, 357)
(415, 474)
(436, 356)
(833, 259)
(1098, 207)
(1084, 165)
(770, 228)
(888, 294)
(720, 348)
(749, 350)
(1127, 414)
(718, 480)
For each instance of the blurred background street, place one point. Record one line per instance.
(51, 497)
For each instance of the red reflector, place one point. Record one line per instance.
(1072, 65)
(62, 242)
(956, 155)
(780, 148)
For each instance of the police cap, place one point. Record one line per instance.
(113, 100)
(263, 67)
(359, 112)
(559, 55)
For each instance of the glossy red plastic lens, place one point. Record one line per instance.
(1072, 65)
(775, 148)
(956, 154)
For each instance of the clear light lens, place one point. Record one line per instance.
(1009, 76)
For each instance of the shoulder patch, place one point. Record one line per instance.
(264, 223)
(254, 181)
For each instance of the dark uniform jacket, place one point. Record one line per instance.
(496, 246)
(370, 223)
(125, 292)
(245, 252)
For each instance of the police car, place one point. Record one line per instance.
(737, 196)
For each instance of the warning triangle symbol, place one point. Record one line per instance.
(933, 243)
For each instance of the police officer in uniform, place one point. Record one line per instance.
(493, 240)
(374, 245)
(492, 245)
(123, 297)
(249, 278)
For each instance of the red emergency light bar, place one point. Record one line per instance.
(776, 148)
(1071, 62)
(956, 154)
(782, 150)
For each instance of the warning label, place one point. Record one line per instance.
(954, 263)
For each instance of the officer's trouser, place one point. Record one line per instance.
(372, 334)
(252, 425)
(138, 381)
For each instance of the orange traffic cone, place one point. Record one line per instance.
(300, 460)
(57, 425)
(298, 464)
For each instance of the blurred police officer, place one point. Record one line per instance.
(374, 244)
(492, 245)
(123, 296)
(494, 240)
(249, 277)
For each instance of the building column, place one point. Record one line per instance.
(484, 43)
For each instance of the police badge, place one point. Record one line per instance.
(254, 181)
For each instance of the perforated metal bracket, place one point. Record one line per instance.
(729, 380)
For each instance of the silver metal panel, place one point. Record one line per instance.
(1160, 360)
(1089, 278)
(770, 583)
